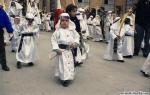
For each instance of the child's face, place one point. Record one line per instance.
(64, 23)
(73, 12)
(17, 20)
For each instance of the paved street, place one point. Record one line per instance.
(95, 77)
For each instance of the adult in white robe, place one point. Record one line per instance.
(146, 67)
(97, 29)
(128, 40)
(114, 52)
(108, 23)
(64, 39)
(27, 46)
(47, 22)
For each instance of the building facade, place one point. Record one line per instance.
(123, 5)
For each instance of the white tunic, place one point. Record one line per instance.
(97, 32)
(65, 62)
(28, 53)
(128, 41)
(110, 55)
(146, 66)
(47, 22)
(90, 26)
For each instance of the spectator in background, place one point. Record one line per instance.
(142, 20)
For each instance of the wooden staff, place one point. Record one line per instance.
(122, 22)
(73, 2)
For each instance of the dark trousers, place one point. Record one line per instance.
(2, 49)
(102, 28)
(142, 33)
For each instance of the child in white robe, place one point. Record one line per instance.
(17, 29)
(114, 49)
(146, 67)
(90, 26)
(64, 39)
(128, 41)
(15, 10)
(97, 29)
(27, 46)
(83, 23)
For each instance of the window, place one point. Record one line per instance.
(105, 1)
(80, 1)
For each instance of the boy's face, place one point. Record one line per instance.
(17, 20)
(73, 12)
(64, 23)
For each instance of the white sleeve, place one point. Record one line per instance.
(54, 40)
(129, 31)
(112, 34)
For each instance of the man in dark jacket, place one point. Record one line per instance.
(72, 11)
(142, 21)
(4, 23)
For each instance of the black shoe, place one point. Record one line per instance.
(13, 51)
(30, 64)
(19, 66)
(135, 54)
(78, 64)
(145, 55)
(66, 83)
(129, 56)
(121, 61)
(5, 68)
(144, 74)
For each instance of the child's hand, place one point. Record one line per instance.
(118, 37)
(59, 52)
(73, 45)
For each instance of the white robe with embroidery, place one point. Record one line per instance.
(146, 66)
(65, 63)
(110, 55)
(28, 53)
(128, 41)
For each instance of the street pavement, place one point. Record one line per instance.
(95, 77)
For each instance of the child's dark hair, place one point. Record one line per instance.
(70, 8)
(127, 21)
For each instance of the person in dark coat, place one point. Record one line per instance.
(72, 11)
(142, 20)
(4, 23)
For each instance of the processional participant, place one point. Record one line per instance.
(64, 39)
(27, 46)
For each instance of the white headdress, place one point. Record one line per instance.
(116, 19)
(71, 24)
(29, 16)
(18, 6)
